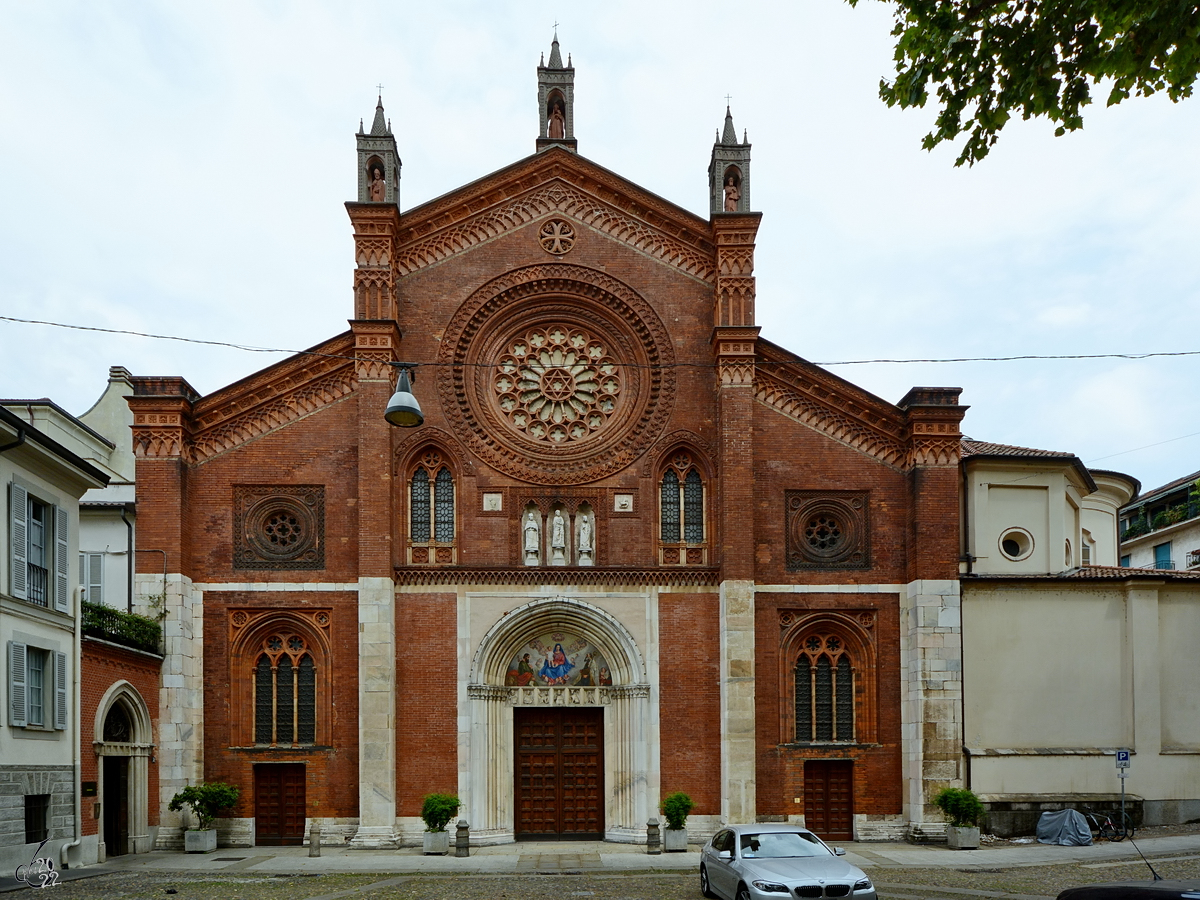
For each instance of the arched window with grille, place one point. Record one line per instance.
(682, 513)
(431, 510)
(824, 690)
(285, 692)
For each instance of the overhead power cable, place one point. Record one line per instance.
(842, 362)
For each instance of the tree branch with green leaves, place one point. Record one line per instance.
(989, 60)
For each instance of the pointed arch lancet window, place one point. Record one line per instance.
(431, 510)
(682, 513)
(285, 708)
(824, 691)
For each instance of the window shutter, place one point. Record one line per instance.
(62, 561)
(16, 682)
(93, 576)
(20, 543)
(60, 691)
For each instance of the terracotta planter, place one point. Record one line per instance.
(675, 840)
(200, 841)
(962, 838)
(436, 843)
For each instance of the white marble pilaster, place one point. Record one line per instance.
(738, 767)
(376, 715)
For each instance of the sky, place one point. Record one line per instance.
(181, 169)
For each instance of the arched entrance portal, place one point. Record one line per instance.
(123, 745)
(559, 744)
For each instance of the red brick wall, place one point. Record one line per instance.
(102, 666)
(689, 633)
(877, 768)
(331, 771)
(426, 699)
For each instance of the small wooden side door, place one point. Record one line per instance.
(829, 799)
(279, 804)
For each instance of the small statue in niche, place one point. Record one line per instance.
(585, 540)
(378, 189)
(533, 540)
(558, 125)
(558, 539)
(732, 195)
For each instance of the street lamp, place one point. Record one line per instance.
(403, 410)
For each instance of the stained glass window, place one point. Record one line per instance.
(670, 508)
(420, 507)
(285, 710)
(306, 702)
(824, 685)
(693, 508)
(803, 700)
(443, 507)
(264, 696)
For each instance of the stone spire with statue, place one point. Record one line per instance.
(556, 101)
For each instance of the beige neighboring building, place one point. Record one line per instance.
(1161, 528)
(1068, 658)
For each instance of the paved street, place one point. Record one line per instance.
(608, 871)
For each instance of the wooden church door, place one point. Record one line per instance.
(829, 799)
(559, 773)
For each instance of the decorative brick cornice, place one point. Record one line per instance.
(253, 406)
(548, 575)
(837, 409)
(555, 182)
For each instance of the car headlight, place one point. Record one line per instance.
(771, 887)
(863, 885)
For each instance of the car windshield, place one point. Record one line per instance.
(781, 844)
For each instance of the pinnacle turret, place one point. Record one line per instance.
(555, 56)
(729, 136)
(380, 125)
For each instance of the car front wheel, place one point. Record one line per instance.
(743, 892)
(705, 887)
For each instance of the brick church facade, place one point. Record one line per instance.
(634, 548)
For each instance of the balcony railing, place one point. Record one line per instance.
(1162, 564)
(128, 629)
(36, 591)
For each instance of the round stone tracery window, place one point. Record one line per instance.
(557, 384)
(558, 374)
(281, 528)
(824, 534)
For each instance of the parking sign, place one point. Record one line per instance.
(1122, 759)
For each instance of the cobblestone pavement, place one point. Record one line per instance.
(1025, 882)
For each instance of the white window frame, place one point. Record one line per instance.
(57, 547)
(54, 687)
(91, 576)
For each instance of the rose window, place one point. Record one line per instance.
(557, 384)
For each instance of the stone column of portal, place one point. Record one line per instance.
(375, 344)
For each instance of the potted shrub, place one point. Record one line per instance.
(206, 801)
(675, 809)
(436, 813)
(963, 810)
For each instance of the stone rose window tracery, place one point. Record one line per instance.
(827, 530)
(558, 384)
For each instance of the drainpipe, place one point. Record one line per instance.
(128, 560)
(77, 721)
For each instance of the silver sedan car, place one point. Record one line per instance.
(765, 862)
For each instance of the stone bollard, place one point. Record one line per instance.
(462, 839)
(314, 839)
(653, 838)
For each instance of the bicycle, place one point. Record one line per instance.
(1106, 827)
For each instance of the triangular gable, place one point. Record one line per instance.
(830, 405)
(554, 181)
(273, 397)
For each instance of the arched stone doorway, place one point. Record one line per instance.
(123, 744)
(515, 682)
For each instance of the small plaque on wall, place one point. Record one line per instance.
(87, 789)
